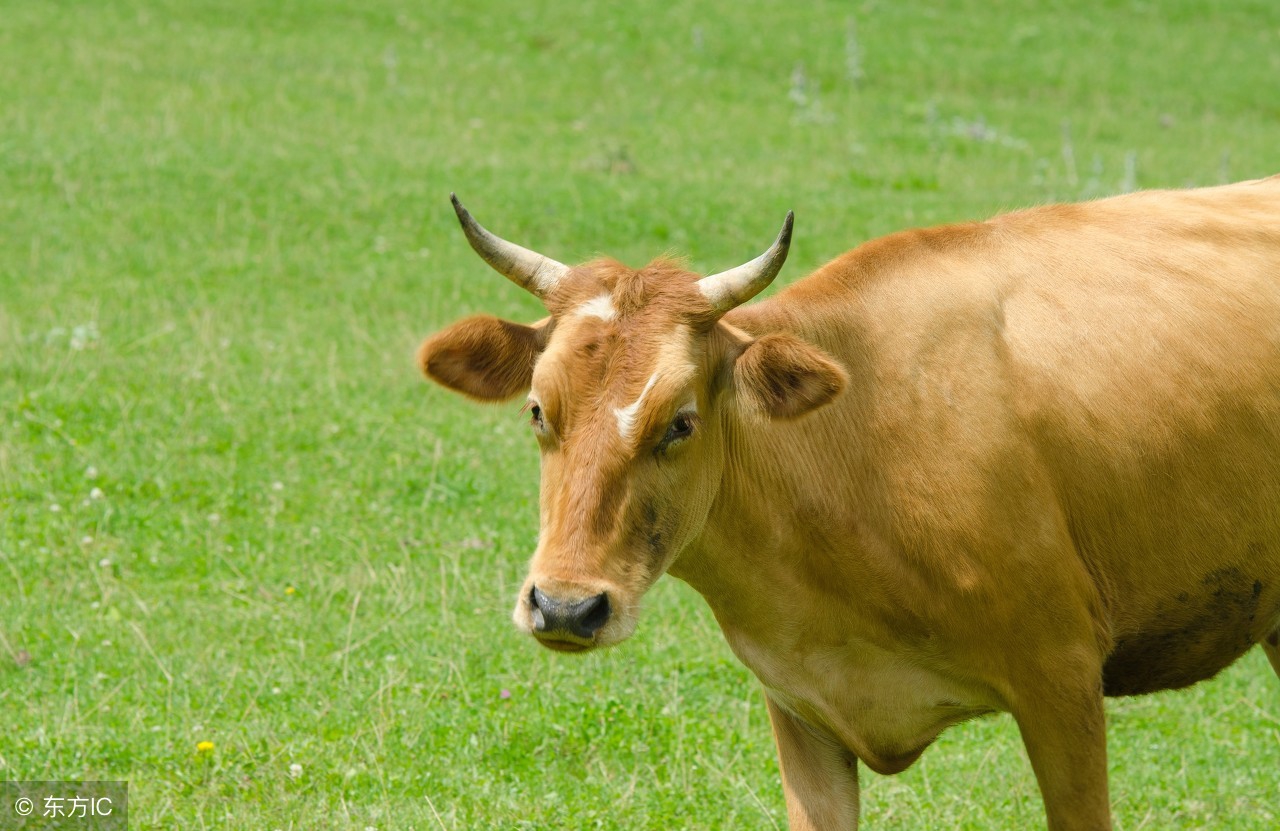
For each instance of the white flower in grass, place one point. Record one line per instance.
(295, 770)
(84, 336)
(96, 493)
(91, 472)
(55, 508)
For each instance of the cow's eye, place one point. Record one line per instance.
(681, 428)
(535, 417)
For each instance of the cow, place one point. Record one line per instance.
(1015, 465)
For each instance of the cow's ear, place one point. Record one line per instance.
(780, 376)
(483, 357)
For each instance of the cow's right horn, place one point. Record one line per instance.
(525, 268)
(730, 289)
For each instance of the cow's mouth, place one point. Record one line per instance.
(563, 645)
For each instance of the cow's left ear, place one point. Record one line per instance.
(484, 357)
(780, 376)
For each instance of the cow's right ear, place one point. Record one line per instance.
(483, 357)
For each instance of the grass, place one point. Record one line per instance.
(231, 513)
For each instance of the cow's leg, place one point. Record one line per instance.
(819, 778)
(1063, 727)
(1271, 646)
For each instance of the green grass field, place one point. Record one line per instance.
(231, 512)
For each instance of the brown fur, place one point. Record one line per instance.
(483, 357)
(1052, 473)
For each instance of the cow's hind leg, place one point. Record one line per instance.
(1271, 646)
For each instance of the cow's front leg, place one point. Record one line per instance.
(1064, 729)
(819, 777)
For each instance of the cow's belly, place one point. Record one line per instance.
(882, 707)
(1195, 631)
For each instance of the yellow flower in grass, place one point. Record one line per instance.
(204, 747)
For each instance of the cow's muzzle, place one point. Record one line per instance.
(558, 623)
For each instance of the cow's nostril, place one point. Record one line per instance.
(592, 614)
(537, 602)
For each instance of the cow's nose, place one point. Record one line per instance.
(581, 618)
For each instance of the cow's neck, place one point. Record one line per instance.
(787, 521)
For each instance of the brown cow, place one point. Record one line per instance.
(1014, 465)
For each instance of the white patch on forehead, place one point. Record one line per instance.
(627, 415)
(600, 306)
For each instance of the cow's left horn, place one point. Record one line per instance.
(730, 289)
(525, 268)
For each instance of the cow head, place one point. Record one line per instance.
(634, 388)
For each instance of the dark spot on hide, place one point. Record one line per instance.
(1274, 639)
(1205, 633)
(653, 532)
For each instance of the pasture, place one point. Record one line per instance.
(252, 563)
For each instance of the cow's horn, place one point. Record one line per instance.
(523, 267)
(732, 288)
